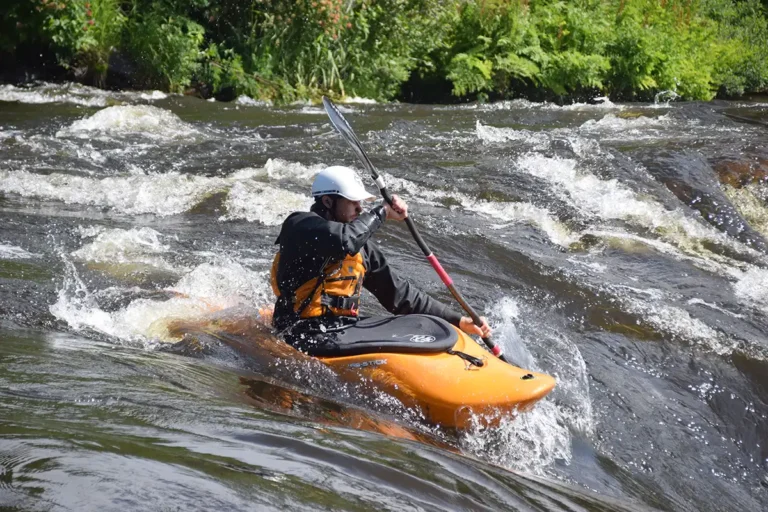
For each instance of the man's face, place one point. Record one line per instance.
(346, 210)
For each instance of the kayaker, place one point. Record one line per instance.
(327, 256)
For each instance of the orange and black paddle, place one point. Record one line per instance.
(342, 126)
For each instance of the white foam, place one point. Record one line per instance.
(506, 212)
(250, 102)
(671, 320)
(599, 268)
(160, 194)
(751, 202)
(357, 99)
(492, 134)
(599, 103)
(752, 287)
(90, 231)
(121, 246)
(593, 196)
(74, 94)
(702, 258)
(173, 193)
(12, 252)
(145, 120)
(513, 213)
(51, 93)
(710, 305)
(153, 96)
(584, 148)
(534, 440)
(207, 288)
(612, 123)
(259, 202)
(518, 104)
(226, 283)
(610, 199)
(279, 169)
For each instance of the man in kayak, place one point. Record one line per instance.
(325, 259)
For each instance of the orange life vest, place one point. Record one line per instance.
(335, 291)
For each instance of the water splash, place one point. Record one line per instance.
(506, 212)
(207, 288)
(598, 103)
(640, 125)
(74, 94)
(173, 193)
(601, 200)
(258, 202)
(126, 246)
(160, 194)
(751, 286)
(12, 252)
(51, 93)
(534, 440)
(752, 203)
(143, 120)
(663, 98)
(491, 134)
(250, 102)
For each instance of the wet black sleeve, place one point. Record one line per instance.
(397, 295)
(328, 238)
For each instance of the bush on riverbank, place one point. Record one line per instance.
(441, 50)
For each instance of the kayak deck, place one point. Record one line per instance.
(449, 390)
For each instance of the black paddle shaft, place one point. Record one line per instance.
(345, 130)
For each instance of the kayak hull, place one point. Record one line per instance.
(447, 389)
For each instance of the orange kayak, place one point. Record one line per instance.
(445, 385)
(449, 390)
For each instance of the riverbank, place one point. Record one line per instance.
(425, 51)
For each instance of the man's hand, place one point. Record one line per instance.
(398, 210)
(468, 326)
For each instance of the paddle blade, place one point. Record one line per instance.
(342, 126)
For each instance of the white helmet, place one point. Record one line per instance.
(342, 181)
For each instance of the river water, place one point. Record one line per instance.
(619, 247)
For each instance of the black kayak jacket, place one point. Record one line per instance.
(306, 240)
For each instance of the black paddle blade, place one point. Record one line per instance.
(342, 126)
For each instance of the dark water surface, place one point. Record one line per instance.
(621, 248)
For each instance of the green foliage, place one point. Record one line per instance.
(285, 50)
(367, 47)
(165, 46)
(492, 43)
(626, 48)
(743, 28)
(573, 36)
(83, 33)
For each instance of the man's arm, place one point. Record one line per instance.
(399, 296)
